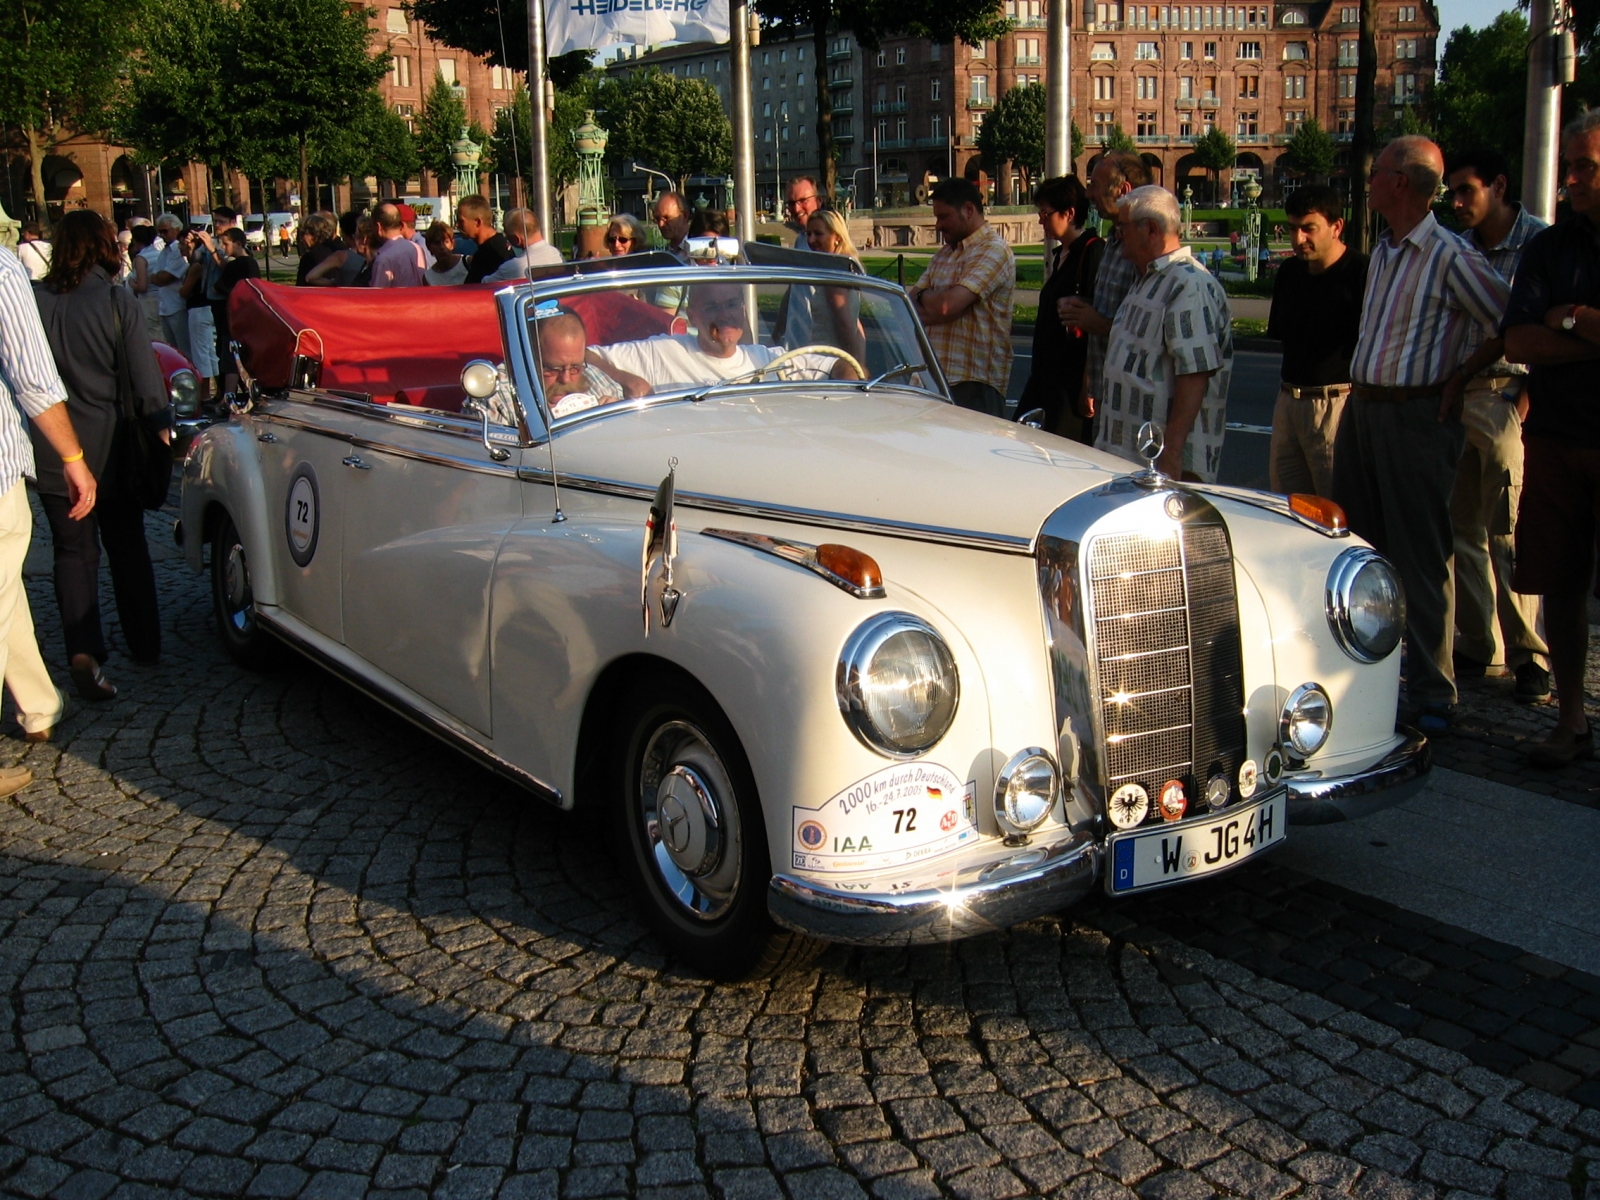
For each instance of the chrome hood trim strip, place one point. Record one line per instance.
(910, 530)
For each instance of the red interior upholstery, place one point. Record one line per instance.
(400, 345)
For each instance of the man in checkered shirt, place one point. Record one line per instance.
(964, 299)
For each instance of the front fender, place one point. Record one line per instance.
(223, 471)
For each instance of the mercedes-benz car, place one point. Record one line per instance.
(708, 550)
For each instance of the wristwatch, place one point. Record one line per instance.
(1570, 321)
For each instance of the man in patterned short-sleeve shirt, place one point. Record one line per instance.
(1170, 351)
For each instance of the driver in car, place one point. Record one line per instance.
(715, 352)
(572, 384)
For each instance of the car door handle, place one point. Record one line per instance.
(354, 460)
(266, 437)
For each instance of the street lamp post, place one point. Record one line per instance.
(465, 155)
(1188, 208)
(589, 141)
(1252, 228)
(854, 191)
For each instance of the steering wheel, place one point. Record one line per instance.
(788, 356)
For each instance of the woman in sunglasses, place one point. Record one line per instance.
(626, 235)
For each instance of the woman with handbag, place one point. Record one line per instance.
(1061, 352)
(118, 405)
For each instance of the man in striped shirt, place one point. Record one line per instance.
(1394, 463)
(30, 387)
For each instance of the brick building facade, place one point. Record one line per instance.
(1165, 74)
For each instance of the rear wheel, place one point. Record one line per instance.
(692, 836)
(247, 643)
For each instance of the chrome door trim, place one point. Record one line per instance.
(909, 530)
(425, 721)
(477, 466)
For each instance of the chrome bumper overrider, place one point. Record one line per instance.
(1314, 800)
(995, 894)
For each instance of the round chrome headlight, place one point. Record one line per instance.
(183, 392)
(1025, 792)
(1307, 720)
(1366, 605)
(897, 685)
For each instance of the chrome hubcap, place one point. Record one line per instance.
(691, 821)
(236, 587)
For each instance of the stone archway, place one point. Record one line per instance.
(1156, 167)
(1246, 166)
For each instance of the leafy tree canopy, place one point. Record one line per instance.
(496, 31)
(1311, 150)
(1015, 131)
(439, 126)
(1216, 152)
(1118, 139)
(674, 125)
(305, 69)
(60, 63)
(508, 147)
(1483, 79)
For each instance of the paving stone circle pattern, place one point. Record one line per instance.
(261, 938)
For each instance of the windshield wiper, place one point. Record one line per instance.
(902, 369)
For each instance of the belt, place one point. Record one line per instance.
(1396, 395)
(1331, 391)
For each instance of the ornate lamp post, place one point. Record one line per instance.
(1187, 208)
(589, 140)
(464, 155)
(1252, 229)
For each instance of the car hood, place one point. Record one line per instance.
(893, 457)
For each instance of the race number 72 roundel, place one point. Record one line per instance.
(302, 514)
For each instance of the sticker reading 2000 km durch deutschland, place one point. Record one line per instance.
(897, 816)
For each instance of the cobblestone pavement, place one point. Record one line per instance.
(260, 938)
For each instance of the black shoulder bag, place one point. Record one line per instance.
(143, 460)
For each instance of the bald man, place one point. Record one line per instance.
(1400, 438)
(531, 250)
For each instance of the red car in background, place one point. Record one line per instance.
(183, 391)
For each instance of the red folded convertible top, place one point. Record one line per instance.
(381, 341)
(399, 345)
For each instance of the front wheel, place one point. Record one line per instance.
(246, 642)
(691, 834)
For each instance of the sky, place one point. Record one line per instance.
(1455, 13)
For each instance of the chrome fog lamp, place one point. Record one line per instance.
(1025, 792)
(1306, 721)
(183, 393)
(897, 685)
(1366, 605)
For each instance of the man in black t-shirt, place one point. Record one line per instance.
(1316, 314)
(1552, 324)
(474, 218)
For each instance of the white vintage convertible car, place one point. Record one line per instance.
(708, 549)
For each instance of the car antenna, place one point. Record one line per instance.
(555, 480)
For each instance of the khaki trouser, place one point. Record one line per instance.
(1483, 514)
(39, 702)
(1303, 429)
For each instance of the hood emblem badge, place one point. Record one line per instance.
(661, 541)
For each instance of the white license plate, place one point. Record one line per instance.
(1166, 854)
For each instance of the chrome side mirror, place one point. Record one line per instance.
(472, 405)
(480, 379)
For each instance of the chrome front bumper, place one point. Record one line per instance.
(993, 895)
(1314, 800)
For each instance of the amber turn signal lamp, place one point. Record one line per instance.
(1320, 511)
(855, 568)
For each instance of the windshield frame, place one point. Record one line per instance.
(526, 296)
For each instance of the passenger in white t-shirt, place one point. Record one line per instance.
(713, 353)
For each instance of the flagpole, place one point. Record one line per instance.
(744, 151)
(539, 201)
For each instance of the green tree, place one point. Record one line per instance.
(1014, 132)
(675, 125)
(1483, 79)
(508, 152)
(498, 31)
(871, 21)
(439, 127)
(60, 64)
(1216, 152)
(377, 143)
(1310, 151)
(305, 68)
(1118, 139)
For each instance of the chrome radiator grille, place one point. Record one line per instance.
(1168, 658)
